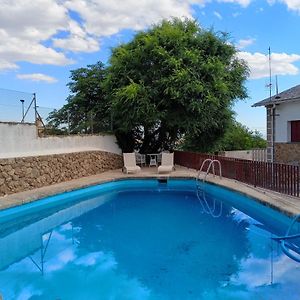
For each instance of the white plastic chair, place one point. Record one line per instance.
(153, 161)
(167, 163)
(159, 155)
(143, 159)
(130, 163)
(140, 159)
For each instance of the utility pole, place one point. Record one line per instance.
(272, 113)
(35, 108)
(22, 103)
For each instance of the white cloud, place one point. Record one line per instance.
(24, 26)
(77, 44)
(77, 41)
(292, 4)
(107, 17)
(282, 64)
(218, 15)
(245, 43)
(5, 65)
(243, 3)
(31, 31)
(37, 77)
(14, 49)
(236, 14)
(35, 20)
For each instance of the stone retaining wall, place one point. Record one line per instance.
(25, 173)
(287, 153)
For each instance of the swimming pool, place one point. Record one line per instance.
(142, 239)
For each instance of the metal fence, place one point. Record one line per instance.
(15, 104)
(277, 177)
(22, 107)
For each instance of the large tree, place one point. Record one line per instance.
(240, 137)
(174, 81)
(236, 137)
(87, 109)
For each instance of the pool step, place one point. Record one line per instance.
(163, 180)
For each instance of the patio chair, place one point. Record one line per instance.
(130, 163)
(140, 159)
(159, 158)
(143, 159)
(167, 163)
(153, 160)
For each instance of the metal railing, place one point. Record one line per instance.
(22, 107)
(288, 242)
(281, 178)
(17, 106)
(211, 165)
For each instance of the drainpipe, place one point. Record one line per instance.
(273, 132)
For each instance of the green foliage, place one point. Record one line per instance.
(236, 137)
(239, 137)
(174, 80)
(87, 109)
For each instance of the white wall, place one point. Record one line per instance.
(17, 140)
(253, 154)
(284, 113)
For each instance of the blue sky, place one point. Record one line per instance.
(42, 40)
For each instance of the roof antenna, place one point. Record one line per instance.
(270, 74)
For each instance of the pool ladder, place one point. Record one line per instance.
(289, 248)
(210, 208)
(211, 164)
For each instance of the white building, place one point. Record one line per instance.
(283, 126)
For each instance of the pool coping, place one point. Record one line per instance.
(286, 204)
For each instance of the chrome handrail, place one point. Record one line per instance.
(211, 165)
(287, 246)
(202, 166)
(212, 211)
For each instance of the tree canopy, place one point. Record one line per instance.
(86, 110)
(173, 82)
(239, 137)
(235, 137)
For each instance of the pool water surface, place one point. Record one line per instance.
(140, 239)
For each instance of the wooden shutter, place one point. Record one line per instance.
(295, 131)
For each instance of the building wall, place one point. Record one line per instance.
(20, 140)
(25, 173)
(253, 154)
(288, 153)
(284, 113)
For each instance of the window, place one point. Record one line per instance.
(295, 131)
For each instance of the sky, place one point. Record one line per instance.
(42, 40)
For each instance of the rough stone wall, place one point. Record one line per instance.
(25, 173)
(287, 153)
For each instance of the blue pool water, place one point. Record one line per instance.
(140, 239)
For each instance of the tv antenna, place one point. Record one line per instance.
(269, 84)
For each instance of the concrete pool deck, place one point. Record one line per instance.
(284, 203)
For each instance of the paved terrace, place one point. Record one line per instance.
(286, 204)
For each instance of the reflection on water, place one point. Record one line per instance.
(153, 245)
